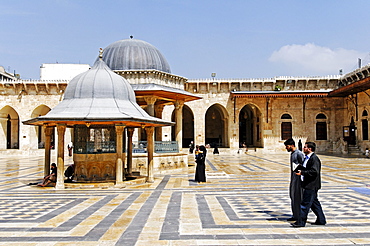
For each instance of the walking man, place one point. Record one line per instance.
(310, 173)
(295, 188)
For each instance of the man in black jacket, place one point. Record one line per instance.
(310, 173)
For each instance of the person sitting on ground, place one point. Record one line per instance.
(51, 178)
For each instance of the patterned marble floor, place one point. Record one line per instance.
(244, 202)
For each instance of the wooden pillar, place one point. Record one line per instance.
(130, 132)
(61, 129)
(178, 120)
(150, 150)
(48, 132)
(119, 161)
(158, 114)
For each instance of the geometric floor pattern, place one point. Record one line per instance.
(245, 201)
(29, 209)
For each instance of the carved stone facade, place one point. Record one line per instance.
(260, 113)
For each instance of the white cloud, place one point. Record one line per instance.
(314, 59)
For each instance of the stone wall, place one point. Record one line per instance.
(23, 100)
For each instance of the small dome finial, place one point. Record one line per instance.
(100, 53)
(131, 37)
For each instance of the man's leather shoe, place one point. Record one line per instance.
(296, 225)
(292, 219)
(317, 223)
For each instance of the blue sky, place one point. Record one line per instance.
(232, 38)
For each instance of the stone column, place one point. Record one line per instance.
(158, 114)
(61, 129)
(224, 137)
(150, 149)
(48, 130)
(130, 132)
(150, 100)
(3, 127)
(119, 162)
(178, 120)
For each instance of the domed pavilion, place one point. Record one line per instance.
(98, 104)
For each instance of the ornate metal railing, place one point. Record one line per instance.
(166, 147)
(159, 147)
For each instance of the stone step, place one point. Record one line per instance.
(354, 150)
(105, 185)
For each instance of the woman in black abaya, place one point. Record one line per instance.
(200, 159)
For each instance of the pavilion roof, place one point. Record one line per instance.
(164, 94)
(98, 96)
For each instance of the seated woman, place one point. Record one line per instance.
(51, 178)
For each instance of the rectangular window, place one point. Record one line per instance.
(286, 130)
(321, 133)
(365, 130)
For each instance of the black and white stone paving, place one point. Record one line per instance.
(245, 201)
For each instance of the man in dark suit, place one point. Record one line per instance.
(310, 173)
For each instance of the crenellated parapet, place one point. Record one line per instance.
(32, 87)
(284, 83)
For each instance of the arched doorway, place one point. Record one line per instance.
(250, 126)
(187, 126)
(352, 132)
(365, 125)
(10, 128)
(39, 132)
(216, 126)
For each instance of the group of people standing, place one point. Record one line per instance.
(305, 183)
(200, 153)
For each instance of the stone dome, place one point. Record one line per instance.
(99, 82)
(134, 54)
(100, 95)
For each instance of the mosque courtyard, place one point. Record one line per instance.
(244, 202)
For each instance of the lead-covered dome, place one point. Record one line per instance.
(99, 94)
(134, 54)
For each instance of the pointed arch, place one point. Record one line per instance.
(187, 126)
(9, 128)
(250, 126)
(39, 135)
(216, 126)
(365, 125)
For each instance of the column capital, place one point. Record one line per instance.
(158, 110)
(178, 104)
(130, 130)
(120, 128)
(159, 107)
(149, 130)
(61, 128)
(48, 130)
(150, 100)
